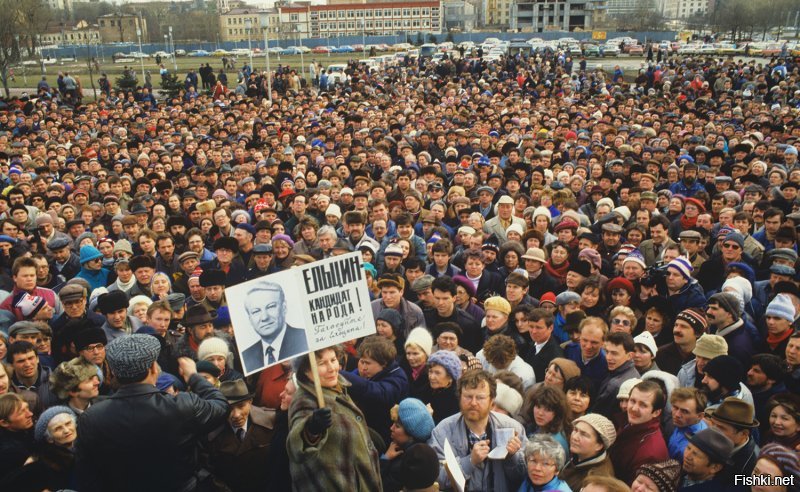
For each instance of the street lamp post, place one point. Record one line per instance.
(141, 58)
(248, 24)
(363, 40)
(166, 43)
(174, 55)
(269, 73)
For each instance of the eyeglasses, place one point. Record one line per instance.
(731, 246)
(623, 322)
(533, 462)
(478, 398)
(97, 347)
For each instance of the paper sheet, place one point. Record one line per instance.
(457, 479)
(502, 436)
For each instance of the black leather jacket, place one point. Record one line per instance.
(142, 439)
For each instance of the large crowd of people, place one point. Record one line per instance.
(581, 279)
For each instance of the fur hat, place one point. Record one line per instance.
(68, 375)
(508, 399)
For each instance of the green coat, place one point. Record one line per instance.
(345, 458)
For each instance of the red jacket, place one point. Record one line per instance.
(635, 446)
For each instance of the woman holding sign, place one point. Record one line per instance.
(329, 448)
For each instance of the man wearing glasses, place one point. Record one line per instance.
(473, 433)
(91, 346)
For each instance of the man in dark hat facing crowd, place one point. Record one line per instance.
(143, 439)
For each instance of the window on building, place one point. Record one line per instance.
(398, 12)
(350, 14)
(426, 11)
(415, 12)
(387, 12)
(379, 24)
(342, 25)
(369, 24)
(323, 15)
(378, 13)
(406, 12)
(368, 13)
(340, 14)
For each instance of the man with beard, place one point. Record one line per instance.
(725, 319)
(765, 379)
(722, 379)
(213, 282)
(355, 228)
(688, 185)
(199, 325)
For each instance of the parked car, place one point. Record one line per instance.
(336, 73)
(291, 50)
(343, 49)
(180, 52)
(219, 53)
(321, 50)
(199, 53)
(635, 49)
(401, 47)
(137, 55)
(162, 54)
(591, 50)
(610, 49)
(241, 52)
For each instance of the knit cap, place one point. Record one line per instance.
(728, 301)
(123, 245)
(415, 419)
(419, 467)
(786, 459)
(710, 346)
(212, 346)
(635, 256)
(601, 425)
(391, 316)
(422, 338)
(727, 370)
(497, 303)
(646, 338)
(89, 253)
(40, 431)
(695, 318)
(682, 266)
(508, 399)
(569, 369)
(131, 356)
(781, 307)
(734, 237)
(664, 474)
(449, 360)
(626, 387)
(28, 304)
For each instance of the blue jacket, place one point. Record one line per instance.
(377, 395)
(96, 278)
(680, 439)
(680, 188)
(596, 369)
(690, 296)
(554, 484)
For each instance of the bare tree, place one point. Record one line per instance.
(10, 25)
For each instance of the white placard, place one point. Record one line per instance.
(457, 479)
(287, 314)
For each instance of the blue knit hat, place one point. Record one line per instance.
(682, 266)
(40, 431)
(781, 307)
(447, 359)
(415, 419)
(89, 253)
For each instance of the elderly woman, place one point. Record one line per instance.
(217, 351)
(498, 309)
(444, 369)
(449, 337)
(52, 466)
(412, 424)
(329, 448)
(500, 353)
(544, 457)
(137, 307)
(283, 257)
(465, 293)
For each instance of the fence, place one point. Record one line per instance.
(108, 50)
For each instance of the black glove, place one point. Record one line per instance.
(319, 421)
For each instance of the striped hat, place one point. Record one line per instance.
(696, 319)
(683, 266)
(635, 256)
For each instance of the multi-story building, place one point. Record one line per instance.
(80, 33)
(683, 9)
(121, 28)
(563, 15)
(234, 24)
(351, 19)
(497, 13)
(459, 15)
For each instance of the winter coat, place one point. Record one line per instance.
(54, 469)
(444, 402)
(377, 395)
(96, 278)
(606, 402)
(15, 448)
(575, 472)
(507, 474)
(158, 432)
(636, 445)
(410, 312)
(240, 464)
(344, 458)
(596, 369)
(691, 295)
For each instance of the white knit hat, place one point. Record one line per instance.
(542, 211)
(626, 387)
(646, 338)
(601, 425)
(422, 338)
(515, 228)
(212, 346)
(508, 399)
(334, 210)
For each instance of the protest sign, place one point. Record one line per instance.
(287, 314)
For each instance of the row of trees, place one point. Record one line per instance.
(742, 19)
